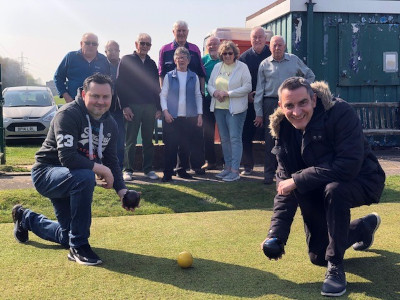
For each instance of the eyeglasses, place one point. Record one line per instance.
(88, 43)
(227, 53)
(145, 44)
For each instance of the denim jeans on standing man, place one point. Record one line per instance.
(230, 128)
(71, 193)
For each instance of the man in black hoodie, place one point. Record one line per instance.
(80, 145)
(325, 167)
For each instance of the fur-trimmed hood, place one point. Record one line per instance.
(320, 88)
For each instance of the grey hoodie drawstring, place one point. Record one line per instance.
(99, 147)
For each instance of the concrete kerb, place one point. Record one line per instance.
(389, 159)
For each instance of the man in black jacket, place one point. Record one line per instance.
(326, 167)
(80, 145)
(139, 93)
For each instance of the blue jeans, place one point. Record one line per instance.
(230, 128)
(119, 118)
(71, 193)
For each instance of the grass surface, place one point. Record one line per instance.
(172, 198)
(19, 154)
(156, 199)
(139, 254)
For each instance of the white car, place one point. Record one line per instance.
(27, 112)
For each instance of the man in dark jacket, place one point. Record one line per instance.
(326, 167)
(138, 91)
(81, 144)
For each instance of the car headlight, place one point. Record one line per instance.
(6, 120)
(49, 116)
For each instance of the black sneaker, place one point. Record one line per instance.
(184, 175)
(84, 255)
(268, 181)
(20, 234)
(335, 281)
(371, 223)
(166, 178)
(200, 171)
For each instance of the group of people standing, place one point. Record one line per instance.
(315, 141)
(191, 94)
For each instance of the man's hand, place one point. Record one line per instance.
(67, 97)
(157, 115)
(286, 186)
(273, 248)
(258, 121)
(250, 96)
(129, 199)
(167, 116)
(199, 120)
(128, 114)
(105, 174)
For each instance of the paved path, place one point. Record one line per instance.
(389, 159)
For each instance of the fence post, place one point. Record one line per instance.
(2, 130)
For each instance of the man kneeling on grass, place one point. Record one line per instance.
(80, 145)
(326, 167)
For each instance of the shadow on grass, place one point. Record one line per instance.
(382, 272)
(208, 196)
(206, 276)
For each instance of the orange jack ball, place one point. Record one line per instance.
(185, 259)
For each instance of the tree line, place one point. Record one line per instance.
(12, 74)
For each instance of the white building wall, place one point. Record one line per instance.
(337, 6)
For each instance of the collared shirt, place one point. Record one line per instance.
(114, 70)
(74, 69)
(166, 62)
(272, 73)
(253, 60)
(208, 63)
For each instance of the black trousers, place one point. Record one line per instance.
(249, 131)
(185, 139)
(208, 131)
(326, 215)
(270, 163)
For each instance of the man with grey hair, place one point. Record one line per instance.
(112, 53)
(78, 65)
(166, 64)
(252, 58)
(138, 91)
(272, 71)
(209, 61)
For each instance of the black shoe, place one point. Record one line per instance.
(371, 223)
(209, 166)
(268, 181)
(20, 234)
(200, 171)
(84, 255)
(335, 281)
(166, 178)
(184, 175)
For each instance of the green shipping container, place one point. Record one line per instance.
(353, 45)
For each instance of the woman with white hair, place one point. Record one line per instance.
(181, 104)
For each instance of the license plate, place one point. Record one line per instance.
(26, 129)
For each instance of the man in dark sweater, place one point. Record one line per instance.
(80, 145)
(139, 93)
(252, 58)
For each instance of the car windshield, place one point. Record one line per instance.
(27, 98)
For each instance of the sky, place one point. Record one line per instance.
(41, 32)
